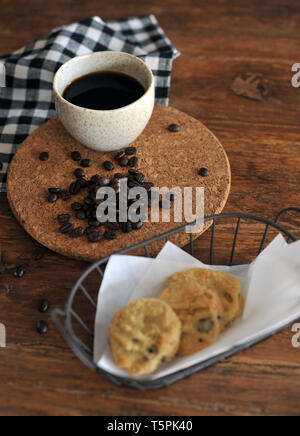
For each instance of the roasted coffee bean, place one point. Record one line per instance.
(203, 172)
(43, 306)
(104, 181)
(54, 190)
(126, 227)
(65, 195)
(123, 162)
(66, 228)
(42, 327)
(140, 178)
(119, 155)
(89, 230)
(110, 235)
(80, 215)
(89, 201)
(108, 166)
(94, 236)
(76, 156)
(44, 156)
(73, 189)
(83, 183)
(116, 185)
(148, 186)
(94, 223)
(138, 225)
(119, 176)
(76, 206)
(171, 197)
(174, 128)
(19, 271)
(79, 173)
(133, 172)
(130, 151)
(77, 232)
(86, 163)
(63, 218)
(52, 198)
(133, 162)
(112, 226)
(96, 180)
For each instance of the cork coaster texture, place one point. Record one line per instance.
(167, 159)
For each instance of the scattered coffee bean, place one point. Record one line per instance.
(79, 173)
(94, 236)
(138, 225)
(54, 190)
(75, 188)
(76, 206)
(203, 172)
(63, 218)
(126, 227)
(123, 162)
(19, 271)
(96, 180)
(116, 185)
(119, 176)
(80, 215)
(112, 226)
(43, 306)
(76, 156)
(90, 201)
(83, 183)
(104, 181)
(133, 172)
(52, 198)
(86, 163)
(174, 128)
(44, 156)
(130, 151)
(108, 166)
(77, 232)
(110, 235)
(119, 155)
(140, 178)
(65, 195)
(94, 223)
(133, 161)
(42, 327)
(66, 228)
(89, 230)
(148, 186)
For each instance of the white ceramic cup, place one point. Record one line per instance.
(102, 130)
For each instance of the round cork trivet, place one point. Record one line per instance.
(167, 159)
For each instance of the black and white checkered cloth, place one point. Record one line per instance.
(26, 101)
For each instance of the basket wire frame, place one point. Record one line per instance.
(64, 319)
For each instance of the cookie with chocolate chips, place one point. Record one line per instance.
(144, 335)
(199, 309)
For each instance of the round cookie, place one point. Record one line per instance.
(144, 335)
(200, 311)
(227, 286)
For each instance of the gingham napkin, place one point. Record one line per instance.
(26, 101)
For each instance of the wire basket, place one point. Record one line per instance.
(76, 322)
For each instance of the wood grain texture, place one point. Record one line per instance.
(218, 40)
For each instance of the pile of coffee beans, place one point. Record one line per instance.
(86, 209)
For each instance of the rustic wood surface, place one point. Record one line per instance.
(219, 40)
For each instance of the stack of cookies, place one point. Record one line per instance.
(194, 309)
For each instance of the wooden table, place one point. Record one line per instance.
(219, 40)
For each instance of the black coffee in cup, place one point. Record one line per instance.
(104, 90)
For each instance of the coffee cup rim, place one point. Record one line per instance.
(117, 53)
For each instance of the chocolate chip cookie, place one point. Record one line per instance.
(144, 335)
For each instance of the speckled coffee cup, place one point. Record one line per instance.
(104, 130)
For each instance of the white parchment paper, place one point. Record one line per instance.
(271, 286)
